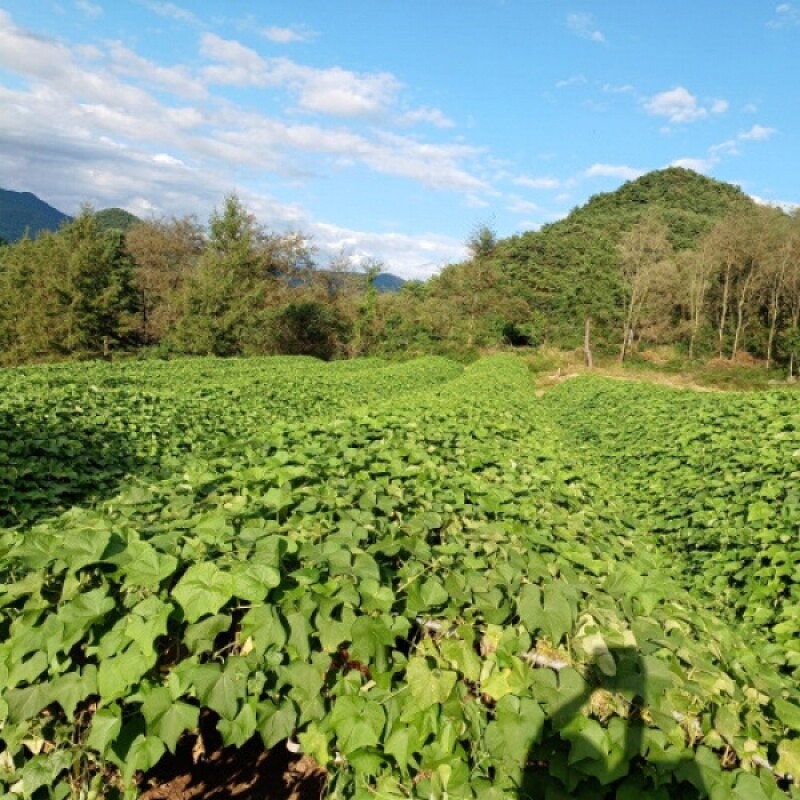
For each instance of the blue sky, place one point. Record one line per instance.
(391, 129)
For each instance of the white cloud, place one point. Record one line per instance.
(727, 148)
(518, 205)
(537, 183)
(677, 105)
(412, 257)
(295, 33)
(624, 89)
(176, 80)
(750, 108)
(583, 25)
(575, 80)
(91, 10)
(719, 106)
(786, 16)
(342, 93)
(334, 91)
(758, 133)
(612, 171)
(171, 11)
(432, 116)
(433, 165)
(474, 201)
(100, 124)
(165, 158)
(787, 206)
(697, 164)
(237, 65)
(25, 52)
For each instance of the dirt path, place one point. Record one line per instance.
(545, 382)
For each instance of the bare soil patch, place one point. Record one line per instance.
(202, 769)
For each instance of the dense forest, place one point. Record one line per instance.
(672, 258)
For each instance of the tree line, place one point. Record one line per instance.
(737, 289)
(168, 286)
(672, 258)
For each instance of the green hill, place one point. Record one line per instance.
(24, 211)
(116, 219)
(569, 270)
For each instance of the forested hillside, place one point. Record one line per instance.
(672, 258)
(23, 211)
(116, 218)
(571, 269)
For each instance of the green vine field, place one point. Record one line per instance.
(428, 579)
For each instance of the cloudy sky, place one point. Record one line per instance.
(390, 129)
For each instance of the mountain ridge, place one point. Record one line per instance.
(22, 212)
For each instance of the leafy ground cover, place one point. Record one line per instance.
(409, 572)
(714, 478)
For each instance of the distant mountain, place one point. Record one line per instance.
(386, 282)
(24, 211)
(116, 219)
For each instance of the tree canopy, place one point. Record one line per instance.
(669, 258)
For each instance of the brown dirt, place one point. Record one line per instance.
(674, 381)
(201, 769)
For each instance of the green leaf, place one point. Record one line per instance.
(517, 726)
(428, 686)
(25, 704)
(199, 637)
(498, 684)
(461, 656)
(118, 674)
(315, 744)
(106, 725)
(595, 647)
(203, 589)
(238, 731)
(788, 713)
(276, 723)
(252, 582)
(557, 613)
(147, 567)
(366, 568)
(84, 547)
(278, 499)
(589, 739)
(43, 770)
(433, 594)
(80, 613)
(789, 757)
(357, 722)
(759, 511)
(402, 743)
(168, 718)
(370, 639)
(144, 752)
(27, 671)
(748, 787)
(221, 689)
(299, 635)
(529, 607)
(73, 687)
(146, 622)
(263, 625)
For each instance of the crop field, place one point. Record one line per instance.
(428, 579)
